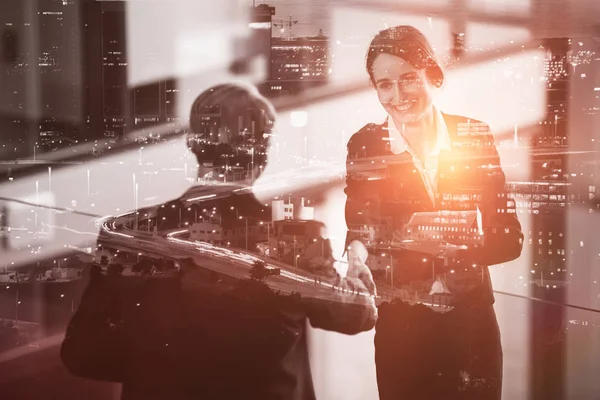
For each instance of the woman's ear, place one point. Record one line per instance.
(436, 77)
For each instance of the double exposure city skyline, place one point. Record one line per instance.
(108, 167)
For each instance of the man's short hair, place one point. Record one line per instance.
(230, 126)
(231, 109)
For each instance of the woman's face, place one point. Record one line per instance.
(403, 90)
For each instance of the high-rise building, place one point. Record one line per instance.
(57, 61)
(553, 132)
(261, 26)
(105, 61)
(114, 66)
(304, 58)
(40, 78)
(297, 63)
(15, 66)
(113, 107)
(546, 201)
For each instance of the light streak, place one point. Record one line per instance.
(106, 228)
(69, 229)
(209, 196)
(170, 234)
(120, 234)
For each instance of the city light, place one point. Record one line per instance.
(542, 197)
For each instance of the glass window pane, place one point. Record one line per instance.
(517, 7)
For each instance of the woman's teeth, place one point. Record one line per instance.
(403, 107)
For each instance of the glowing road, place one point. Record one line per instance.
(234, 263)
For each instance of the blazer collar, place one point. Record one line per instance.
(443, 123)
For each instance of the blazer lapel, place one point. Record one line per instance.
(418, 189)
(385, 148)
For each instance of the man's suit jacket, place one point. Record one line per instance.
(384, 190)
(209, 332)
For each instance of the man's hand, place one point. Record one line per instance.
(358, 276)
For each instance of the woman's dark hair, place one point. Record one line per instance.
(410, 44)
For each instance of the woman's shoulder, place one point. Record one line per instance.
(463, 122)
(470, 134)
(364, 135)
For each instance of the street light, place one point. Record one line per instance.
(391, 266)
(245, 219)
(17, 302)
(260, 223)
(268, 238)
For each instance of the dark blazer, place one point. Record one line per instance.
(206, 333)
(383, 191)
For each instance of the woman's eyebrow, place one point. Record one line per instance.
(408, 74)
(401, 77)
(378, 81)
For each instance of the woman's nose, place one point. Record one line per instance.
(398, 93)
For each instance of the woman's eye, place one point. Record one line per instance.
(415, 81)
(385, 85)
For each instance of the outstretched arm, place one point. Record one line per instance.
(351, 308)
(503, 239)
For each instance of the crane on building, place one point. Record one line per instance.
(289, 23)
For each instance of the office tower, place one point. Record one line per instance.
(259, 42)
(558, 72)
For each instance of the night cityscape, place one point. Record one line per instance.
(104, 172)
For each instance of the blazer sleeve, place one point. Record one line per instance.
(349, 314)
(358, 314)
(503, 239)
(354, 200)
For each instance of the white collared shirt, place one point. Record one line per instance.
(429, 167)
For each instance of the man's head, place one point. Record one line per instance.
(230, 125)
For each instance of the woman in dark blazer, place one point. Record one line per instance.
(420, 179)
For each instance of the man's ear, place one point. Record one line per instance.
(190, 141)
(187, 137)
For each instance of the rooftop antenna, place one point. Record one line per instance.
(287, 23)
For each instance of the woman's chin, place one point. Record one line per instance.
(405, 118)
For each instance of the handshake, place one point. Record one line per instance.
(354, 275)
